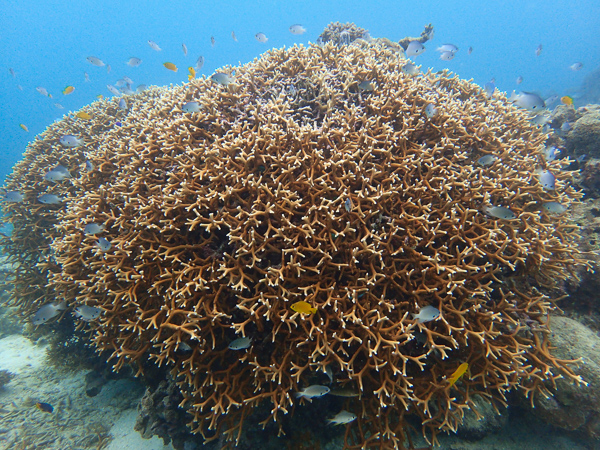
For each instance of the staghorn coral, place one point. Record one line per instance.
(293, 184)
(342, 33)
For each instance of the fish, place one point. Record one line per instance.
(93, 228)
(19, 87)
(221, 78)
(447, 48)
(127, 80)
(427, 314)
(489, 88)
(366, 86)
(108, 68)
(133, 62)
(566, 126)
(95, 61)
(48, 312)
(13, 197)
(89, 166)
(541, 119)
(538, 50)
(86, 77)
(59, 173)
(83, 115)
(184, 48)
(553, 207)
(344, 393)
(170, 66)
(126, 90)
(233, 36)
(431, 111)
(103, 244)
(342, 418)
(447, 56)
(70, 141)
(99, 96)
(191, 107)
(87, 313)
(551, 153)
(212, 41)
(261, 37)
(550, 100)
(457, 374)
(348, 204)
(199, 63)
(43, 91)
(44, 407)
(154, 46)
(24, 127)
(192, 73)
(313, 391)
(576, 66)
(547, 179)
(113, 90)
(329, 372)
(470, 50)
(12, 72)
(68, 90)
(519, 79)
(119, 124)
(415, 48)
(410, 69)
(303, 307)
(122, 103)
(527, 100)
(297, 29)
(487, 160)
(141, 88)
(498, 212)
(240, 344)
(567, 100)
(49, 199)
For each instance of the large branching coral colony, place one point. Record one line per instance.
(299, 182)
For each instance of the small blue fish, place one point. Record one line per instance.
(427, 314)
(89, 166)
(297, 29)
(552, 99)
(221, 78)
(113, 90)
(498, 212)
(191, 107)
(431, 111)
(134, 62)
(553, 208)
(122, 103)
(93, 228)
(59, 173)
(446, 56)
(261, 37)
(538, 50)
(141, 88)
(489, 88)
(119, 124)
(551, 153)
(410, 68)
(154, 46)
(487, 160)
(547, 180)
(13, 197)
(103, 244)
(87, 313)
(447, 48)
(199, 63)
(313, 391)
(47, 312)
(565, 127)
(348, 204)
(50, 199)
(519, 79)
(415, 48)
(240, 343)
(127, 80)
(575, 67)
(527, 100)
(70, 141)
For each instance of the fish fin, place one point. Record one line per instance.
(313, 310)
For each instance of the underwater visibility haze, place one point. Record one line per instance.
(299, 224)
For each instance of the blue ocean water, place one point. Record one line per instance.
(46, 44)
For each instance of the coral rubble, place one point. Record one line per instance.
(293, 184)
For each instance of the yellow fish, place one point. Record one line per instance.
(192, 74)
(303, 308)
(24, 127)
(458, 373)
(170, 66)
(99, 96)
(68, 90)
(567, 100)
(83, 115)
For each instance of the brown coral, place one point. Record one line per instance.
(294, 184)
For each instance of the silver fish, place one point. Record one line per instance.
(470, 50)
(108, 68)
(348, 204)
(410, 69)
(93, 228)
(12, 72)
(240, 343)
(342, 418)
(87, 313)
(221, 78)
(59, 106)
(415, 48)
(541, 119)
(447, 56)
(212, 41)
(89, 166)
(113, 90)
(431, 111)
(141, 88)
(13, 197)
(547, 179)
(103, 244)
(366, 86)
(261, 37)
(313, 391)
(134, 62)
(489, 88)
(498, 212)
(527, 100)
(427, 314)
(50, 199)
(126, 90)
(59, 173)
(551, 153)
(95, 61)
(184, 48)
(86, 77)
(553, 208)
(297, 29)
(200, 63)
(575, 67)
(550, 100)
(566, 126)
(122, 103)
(47, 312)
(538, 50)
(447, 48)
(191, 107)
(127, 80)
(233, 36)
(154, 46)
(519, 79)
(70, 141)
(43, 91)
(487, 160)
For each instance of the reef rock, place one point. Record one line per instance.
(573, 407)
(481, 420)
(584, 136)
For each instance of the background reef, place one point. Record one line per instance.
(316, 174)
